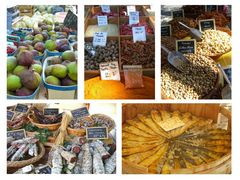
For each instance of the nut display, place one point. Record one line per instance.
(170, 43)
(178, 30)
(139, 53)
(196, 142)
(101, 54)
(214, 43)
(197, 80)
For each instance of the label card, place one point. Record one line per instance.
(105, 8)
(139, 33)
(17, 134)
(109, 71)
(131, 9)
(134, 17)
(186, 46)
(207, 24)
(97, 133)
(10, 115)
(102, 20)
(100, 39)
(23, 108)
(81, 112)
(178, 13)
(50, 111)
(210, 8)
(166, 30)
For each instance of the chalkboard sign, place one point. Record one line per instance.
(10, 115)
(70, 20)
(211, 8)
(81, 112)
(186, 46)
(17, 134)
(51, 111)
(178, 13)
(45, 170)
(23, 108)
(166, 13)
(207, 24)
(166, 30)
(97, 133)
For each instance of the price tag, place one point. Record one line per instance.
(186, 46)
(10, 115)
(178, 13)
(139, 33)
(81, 112)
(134, 17)
(51, 111)
(207, 24)
(23, 108)
(166, 30)
(17, 134)
(102, 20)
(70, 20)
(131, 9)
(109, 71)
(99, 39)
(166, 13)
(211, 8)
(97, 133)
(105, 8)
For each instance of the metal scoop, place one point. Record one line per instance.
(196, 34)
(176, 58)
(226, 91)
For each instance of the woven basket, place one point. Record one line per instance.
(19, 164)
(50, 127)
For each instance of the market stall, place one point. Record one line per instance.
(119, 48)
(42, 52)
(61, 138)
(202, 36)
(176, 139)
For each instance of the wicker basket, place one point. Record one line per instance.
(19, 164)
(50, 127)
(220, 166)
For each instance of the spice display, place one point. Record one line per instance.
(111, 29)
(178, 30)
(196, 142)
(214, 43)
(133, 76)
(139, 53)
(198, 78)
(99, 54)
(126, 29)
(220, 19)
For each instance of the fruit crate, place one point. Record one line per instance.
(208, 111)
(58, 92)
(118, 20)
(32, 96)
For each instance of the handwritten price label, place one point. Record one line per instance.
(134, 17)
(139, 33)
(109, 71)
(131, 9)
(100, 39)
(102, 20)
(105, 8)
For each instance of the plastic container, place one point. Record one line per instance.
(58, 92)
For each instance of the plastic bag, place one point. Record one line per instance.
(133, 76)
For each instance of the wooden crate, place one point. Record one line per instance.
(221, 166)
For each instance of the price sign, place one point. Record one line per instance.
(139, 33)
(23, 108)
(70, 20)
(109, 71)
(178, 13)
(186, 46)
(17, 134)
(207, 24)
(131, 9)
(211, 8)
(51, 111)
(134, 17)
(166, 13)
(102, 20)
(10, 115)
(166, 30)
(81, 112)
(99, 39)
(97, 133)
(105, 8)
